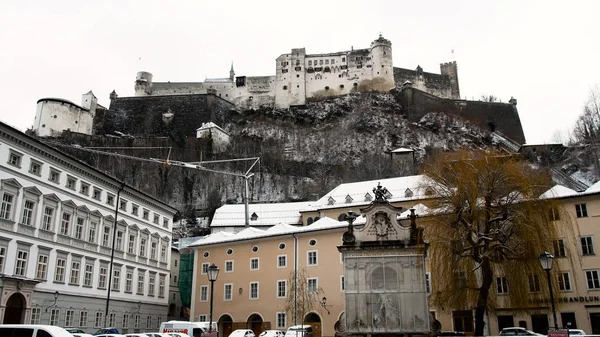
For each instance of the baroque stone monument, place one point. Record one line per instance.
(384, 272)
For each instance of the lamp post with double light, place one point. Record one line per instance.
(546, 260)
(212, 273)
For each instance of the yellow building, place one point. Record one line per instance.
(255, 266)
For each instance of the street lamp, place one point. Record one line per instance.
(546, 260)
(212, 273)
(324, 304)
(55, 299)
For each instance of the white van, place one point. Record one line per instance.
(194, 329)
(28, 330)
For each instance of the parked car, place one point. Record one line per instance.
(177, 334)
(77, 334)
(272, 333)
(16, 330)
(110, 335)
(518, 331)
(156, 334)
(242, 333)
(576, 332)
(140, 334)
(104, 331)
(300, 331)
(452, 333)
(74, 330)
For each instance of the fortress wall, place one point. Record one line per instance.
(257, 92)
(503, 117)
(178, 88)
(434, 84)
(144, 115)
(53, 116)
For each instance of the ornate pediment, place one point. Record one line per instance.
(382, 224)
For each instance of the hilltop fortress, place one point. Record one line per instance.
(300, 77)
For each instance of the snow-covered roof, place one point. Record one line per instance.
(402, 150)
(558, 191)
(210, 125)
(218, 80)
(594, 188)
(267, 214)
(397, 187)
(324, 223)
(420, 209)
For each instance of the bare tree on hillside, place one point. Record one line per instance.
(489, 98)
(492, 222)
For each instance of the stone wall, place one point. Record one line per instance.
(163, 115)
(435, 84)
(491, 116)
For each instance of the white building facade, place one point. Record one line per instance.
(59, 220)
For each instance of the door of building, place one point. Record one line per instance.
(568, 320)
(539, 324)
(505, 321)
(595, 321)
(14, 309)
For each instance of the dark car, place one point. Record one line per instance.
(103, 331)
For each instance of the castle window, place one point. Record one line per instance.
(285, 87)
(332, 61)
(343, 59)
(341, 86)
(326, 61)
(298, 75)
(384, 53)
(320, 62)
(355, 85)
(326, 88)
(297, 85)
(369, 66)
(298, 68)
(310, 63)
(327, 70)
(283, 71)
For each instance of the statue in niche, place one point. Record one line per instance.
(382, 223)
(387, 316)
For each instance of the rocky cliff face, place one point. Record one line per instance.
(304, 151)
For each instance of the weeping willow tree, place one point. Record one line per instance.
(489, 232)
(302, 297)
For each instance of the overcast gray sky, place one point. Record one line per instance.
(544, 53)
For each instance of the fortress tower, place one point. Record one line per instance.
(143, 83)
(383, 67)
(451, 71)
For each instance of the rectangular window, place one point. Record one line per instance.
(146, 214)
(119, 243)
(27, 216)
(21, 265)
(79, 228)
(313, 285)
(131, 244)
(501, 285)
(135, 209)
(312, 258)
(161, 286)
(54, 315)
(71, 182)
(163, 253)
(106, 236)
(97, 193)
(153, 246)
(92, 232)
(564, 281)
(592, 279)
(69, 317)
(253, 290)
(129, 282)
(204, 268)
(136, 322)
(2, 258)
(342, 283)
(281, 323)
(143, 247)
(110, 199)
(587, 245)
(123, 205)
(116, 281)
(559, 248)
(98, 320)
(140, 286)
(254, 263)
(14, 159)
(42, 267)
(102, 278)
(59, 272)
(201, 318)
(156, 218)
(151, 281)
(581, 210)
(35, 167)
(148, 321)
(111, 319)
(281, 261)
(36, 314)
(228, 266)
(227, 295)
(166, 223)
(84, 189)
(75, 273)
(83, 318)
(7, 206)
(47, 220)
(125, 321)
(534, 283)
(281, 289)
(203, 293)
(428, 282)
(54, 176)
(87, 277)
(65, 224)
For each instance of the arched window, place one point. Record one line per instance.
(342, 217)
(309, 221)
(384, 278)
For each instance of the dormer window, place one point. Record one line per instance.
(254, 216)
(349, 199)
(429, 191)
(330, 201)
(408, 193)
(368, 197)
